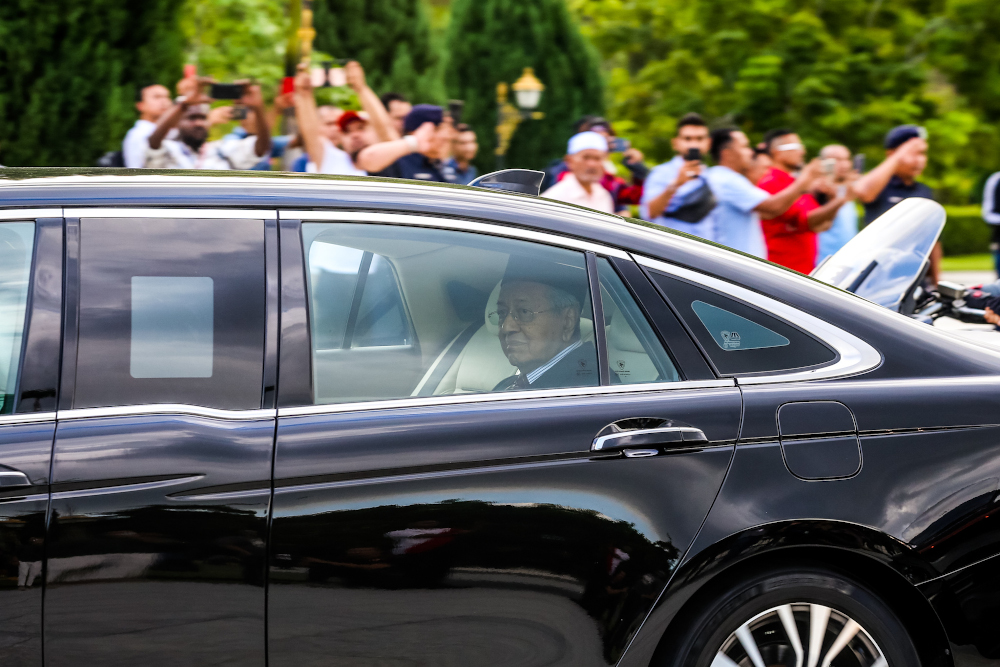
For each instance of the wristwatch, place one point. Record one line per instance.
(412, 142)
(180, 99)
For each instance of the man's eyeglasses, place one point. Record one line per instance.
(522, 315)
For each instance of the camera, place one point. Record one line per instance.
(693, 154)
(226, 91)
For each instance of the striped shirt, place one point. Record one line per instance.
(537, 373)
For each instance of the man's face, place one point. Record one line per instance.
(587, 165)
(691, 136)
(355, 137)
(738, 155)
(790, 158)
(912, 166)
(397, 111)
(193, 126)
(155, 101)
(466, 146)
(444, 136)
(529, 345)
(328, 117)
(843, 157)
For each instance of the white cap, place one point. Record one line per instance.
(587, 140)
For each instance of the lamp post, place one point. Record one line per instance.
(527, 94)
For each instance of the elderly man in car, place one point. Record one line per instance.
(538, 312)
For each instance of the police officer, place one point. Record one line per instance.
(420, 155)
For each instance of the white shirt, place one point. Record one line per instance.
(136, 142)
(989, 200)
(335, 161)
(222, 155)
(570, 191)
(734, 221)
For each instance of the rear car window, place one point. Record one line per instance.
(738, 338)
(171, 311)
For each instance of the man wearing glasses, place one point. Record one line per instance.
(538, 315)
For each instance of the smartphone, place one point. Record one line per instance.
(859, 163)
(829, 166)
(239, 112)
(618, 145)
(190, 71)
(693, 154)
(338, 77)
(226, 91)
(455, 108)
(319, 77)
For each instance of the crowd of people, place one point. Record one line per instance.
(765, 199)
(389, 136)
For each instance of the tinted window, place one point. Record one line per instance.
(397, 312)
(635, 353)
(171, 311)
(738, 338)
(16, 243)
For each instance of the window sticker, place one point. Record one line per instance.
(732, 332)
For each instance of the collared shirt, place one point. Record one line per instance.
(790, 242)
(136, 143)
(734, 222)
(537, 373)
(335, 161)
(465, 176)
(660, 178)
(570, 191)
(895, 192)
(419, 167)
(991, 203)
(172, 154)
(278, 146)
(845, 228)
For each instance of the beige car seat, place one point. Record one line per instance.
(626, 355)
(481, 364)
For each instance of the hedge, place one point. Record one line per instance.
(965, 233)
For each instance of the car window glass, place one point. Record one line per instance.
(171, 311)
(635, 353)
(16, 244)
(739, 338)
(398, 312)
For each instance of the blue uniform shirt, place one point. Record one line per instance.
(895, 192)
(419, 167)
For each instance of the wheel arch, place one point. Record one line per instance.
(883, 564)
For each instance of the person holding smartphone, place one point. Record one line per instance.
(845, 223)
(671, 188)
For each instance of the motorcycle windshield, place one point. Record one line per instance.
(883, 261)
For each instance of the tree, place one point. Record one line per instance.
(390, 38)
(69, 70)
(492, 41)
(842, 71)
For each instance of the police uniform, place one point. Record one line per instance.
(419, 167)
(895, 192)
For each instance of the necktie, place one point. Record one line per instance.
(521, 381)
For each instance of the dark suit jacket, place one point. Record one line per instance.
(576, 369)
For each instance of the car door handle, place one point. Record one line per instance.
(670, 436)
(11, 479)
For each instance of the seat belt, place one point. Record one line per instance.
(445, 364)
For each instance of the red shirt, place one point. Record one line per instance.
(789, 241)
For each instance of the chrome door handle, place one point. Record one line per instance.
(11, 479)
(643, 438)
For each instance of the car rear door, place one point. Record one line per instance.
(439, 520)
(162, 457)
(31, 245)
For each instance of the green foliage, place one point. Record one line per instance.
(842, 71)
(966, 232)
(237, 39)
(492, 41)
(69, 70)
(392, 39)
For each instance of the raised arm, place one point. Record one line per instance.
(254, 101)
(377, 157)
(871, 184)
(308, 117)
(658, 204)
(190, 90)
(370, 103)
(778, 203)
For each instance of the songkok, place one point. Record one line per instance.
(565, 277)
(901, 134)
(420, 114)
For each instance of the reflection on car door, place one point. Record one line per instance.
(486, 529)
(161, 465)
(30, 304)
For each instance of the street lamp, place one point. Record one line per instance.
(528, 94)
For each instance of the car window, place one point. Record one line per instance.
(171, 311)
(16, 243)
(398, 312)
(739, 338)
(635, 353)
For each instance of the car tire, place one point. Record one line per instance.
(756, 610)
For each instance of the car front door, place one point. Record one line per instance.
(458, 516)
(162, 457)
(31, 245)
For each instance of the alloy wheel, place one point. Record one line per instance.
(800, 634)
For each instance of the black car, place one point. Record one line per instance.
(254, 420)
